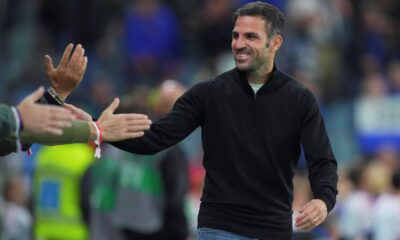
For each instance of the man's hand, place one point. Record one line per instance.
(311, 215)
(118, 127)
(69, 73)
(43, 119)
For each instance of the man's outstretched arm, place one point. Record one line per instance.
(186, 116)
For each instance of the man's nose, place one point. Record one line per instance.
(239, 43)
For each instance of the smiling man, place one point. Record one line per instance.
(254, 121)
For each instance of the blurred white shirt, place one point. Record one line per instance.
(386, 217)
(355, 216)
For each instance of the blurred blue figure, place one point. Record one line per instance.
(281, 4)
(152, 40)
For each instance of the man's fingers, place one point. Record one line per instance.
(137, 128)
(36, 95)
(113, 106)
(310, 222)
(83, 66)
(304, 207)
(80, 56)
(135, 116)
(59, 112)
(66, 54)
(133, 135)
(306, 218)
(48, 63)
(143, 124)
(306, 212)
(134, 122)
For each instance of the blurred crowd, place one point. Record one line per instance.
(346, 51)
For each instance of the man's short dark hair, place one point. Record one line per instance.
(275, 21)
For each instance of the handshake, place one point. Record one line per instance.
(61, 123)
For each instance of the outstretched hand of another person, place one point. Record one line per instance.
(69, 73)
(43, 119)
(116, 127)
(311, 215)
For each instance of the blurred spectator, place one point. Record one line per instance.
(57, 193)
(281, 4)
(152, 42)
(215, 29)
(17, 220)
(387, 156)
(101, 93)
(372, 39)
(142, 197)
(386, 212)
(196, 182)
(172, 166)
(374, 86)
(355, 208)
(393, 73)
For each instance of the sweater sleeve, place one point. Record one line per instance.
(7, 122)
(186, 115)
(321, 162)
(78, 133)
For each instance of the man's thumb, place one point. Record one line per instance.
(48, 63)
(36, 95)
(113, 106)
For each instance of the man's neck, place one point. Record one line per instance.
(260, 76)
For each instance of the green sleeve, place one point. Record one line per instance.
(78, 133)
(7, 122)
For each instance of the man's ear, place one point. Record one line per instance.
(276, 42)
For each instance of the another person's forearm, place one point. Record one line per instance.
(80, 132)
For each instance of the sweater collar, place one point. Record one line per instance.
(276, 81)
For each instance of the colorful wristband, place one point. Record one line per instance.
(98, 141)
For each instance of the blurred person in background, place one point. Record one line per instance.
(386, 212)
(355, 213)
(141, 197)
(16, 219)
(56, 192)
(151, 37)
(228, 109)
(393, 72)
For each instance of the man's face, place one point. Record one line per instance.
(250, 47)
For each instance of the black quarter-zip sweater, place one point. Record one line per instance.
(251, 146)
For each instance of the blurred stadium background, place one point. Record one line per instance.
(346, 51)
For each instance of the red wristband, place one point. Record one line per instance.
(98, 141)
